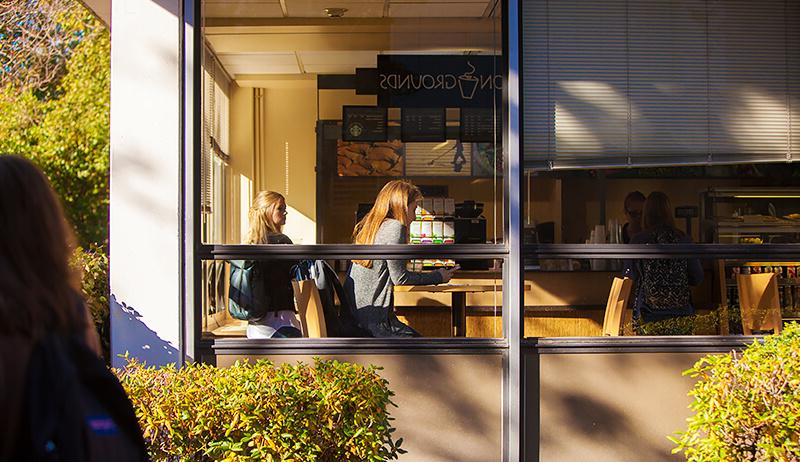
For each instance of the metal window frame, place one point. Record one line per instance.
(201, 251)
(778, 252)
(507, 346)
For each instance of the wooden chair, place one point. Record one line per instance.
(309, 308)
(759, 302)
(616, 306)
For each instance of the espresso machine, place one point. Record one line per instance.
(470, 228)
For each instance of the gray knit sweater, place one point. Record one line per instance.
(373, 287)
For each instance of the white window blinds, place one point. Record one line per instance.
(660, 82)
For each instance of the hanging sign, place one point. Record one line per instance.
(437, 81)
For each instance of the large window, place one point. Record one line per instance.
(658, 141)
(324, 105)
(583, 228)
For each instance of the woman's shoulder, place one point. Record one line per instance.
(662, 235)
(278, 238)
(390, 232)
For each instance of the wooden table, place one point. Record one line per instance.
(459, 293)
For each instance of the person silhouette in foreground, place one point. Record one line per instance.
(58, 400)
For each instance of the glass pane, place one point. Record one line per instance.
(577, 297)
(326, 105)
(729, 204)
(258, 298)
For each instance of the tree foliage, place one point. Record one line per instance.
(60, 118)
(34, 42)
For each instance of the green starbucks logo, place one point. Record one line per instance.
(356, 130)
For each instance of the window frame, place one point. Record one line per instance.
(507, 252)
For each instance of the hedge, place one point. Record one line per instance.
(746, 406)
(331, 411)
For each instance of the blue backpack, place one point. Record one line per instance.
(247, 296)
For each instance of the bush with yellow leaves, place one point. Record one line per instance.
(331, 411)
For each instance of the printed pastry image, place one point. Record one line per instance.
(370, 159)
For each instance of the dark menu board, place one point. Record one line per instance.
(422, 125)
(364, 123)
(478, 125)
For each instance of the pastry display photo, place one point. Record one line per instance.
(370, 159)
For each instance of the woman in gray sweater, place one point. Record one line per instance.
(372, 281)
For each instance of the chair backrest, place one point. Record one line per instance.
(309, 308)
(759, 302)
(615, 308)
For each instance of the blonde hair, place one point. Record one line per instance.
(260, 217)
(392, 202)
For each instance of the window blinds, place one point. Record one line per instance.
(659, 82)
(214, 137)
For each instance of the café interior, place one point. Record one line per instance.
(326, 101)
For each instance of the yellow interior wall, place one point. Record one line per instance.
(289, 161)
(240, 171)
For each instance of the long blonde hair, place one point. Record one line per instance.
(392, 202)
(260, 217)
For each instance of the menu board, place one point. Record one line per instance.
(364, 123)
(478, 125)
(423, 125)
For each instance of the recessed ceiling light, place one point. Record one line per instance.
(335, 12)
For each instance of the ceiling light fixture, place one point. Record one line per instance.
(335, 12)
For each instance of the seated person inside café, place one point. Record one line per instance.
(267, 217)
(371, 282)
(662, 285)
(634, 204)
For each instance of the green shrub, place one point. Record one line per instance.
(747, 406)
(93, 265)
(332, 411)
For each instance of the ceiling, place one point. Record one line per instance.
(255, 38)
(355, 9)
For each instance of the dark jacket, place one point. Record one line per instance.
(276, 275)
(635, 269)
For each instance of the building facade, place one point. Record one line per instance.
(526, 125)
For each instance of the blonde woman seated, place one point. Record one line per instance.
(371, 282)
(267, 217)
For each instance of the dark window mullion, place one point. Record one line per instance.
(348, 251)
(639, 251)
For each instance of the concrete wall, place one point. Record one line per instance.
(145, 235)
(606, 407)
(449, 407)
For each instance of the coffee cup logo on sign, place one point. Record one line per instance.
(468, 82)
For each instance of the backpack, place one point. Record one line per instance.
(340, 320)
(665, 282)
(247, 296)
(75, 409)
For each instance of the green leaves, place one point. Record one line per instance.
(747, 406)
(247, 412)
(65, 131)
(93, 266)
